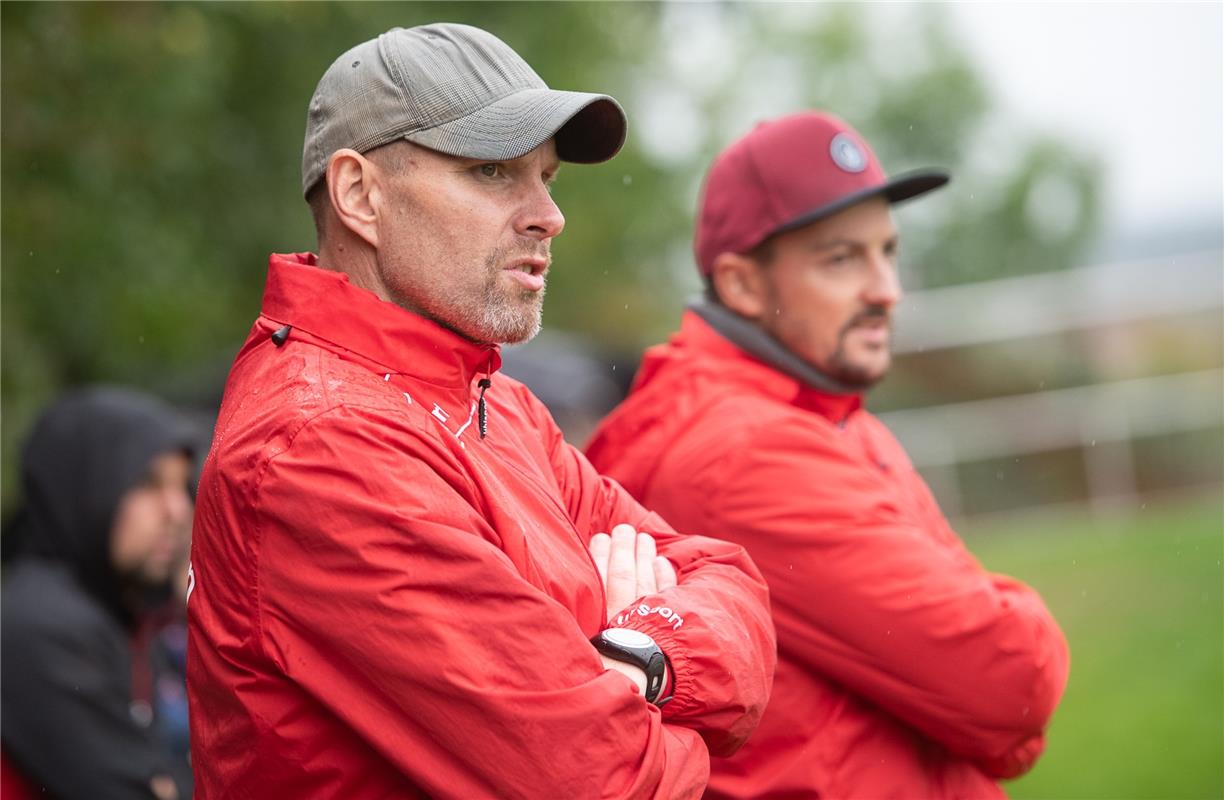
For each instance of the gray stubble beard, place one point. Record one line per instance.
(499, 321)
(495, 319)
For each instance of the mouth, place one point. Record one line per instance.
(874, 331)
(529, 272)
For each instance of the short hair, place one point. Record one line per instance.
(762, 254)
(319, 203)
(388, 157)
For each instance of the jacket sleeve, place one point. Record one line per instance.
(714, 626)
(66, 717)
(383, 595)
(889, 605)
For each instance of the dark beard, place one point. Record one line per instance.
(839, 368)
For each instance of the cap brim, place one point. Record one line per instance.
(901, 187)
(589, 128)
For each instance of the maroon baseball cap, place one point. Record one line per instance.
(786, 173)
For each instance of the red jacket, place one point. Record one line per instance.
(905, 670)
(384, 604)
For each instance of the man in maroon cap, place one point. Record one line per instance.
(905, 669)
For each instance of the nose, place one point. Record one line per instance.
(883, 287)
(540, 219)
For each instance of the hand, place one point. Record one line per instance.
(629, 566)
(163, 787)
(635, 674)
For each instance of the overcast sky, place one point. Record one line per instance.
(1142, 82)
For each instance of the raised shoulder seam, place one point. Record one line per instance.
(256, 494)
(257, 531)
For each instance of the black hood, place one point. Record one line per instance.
(84, 453)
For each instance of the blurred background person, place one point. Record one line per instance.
(95, 548)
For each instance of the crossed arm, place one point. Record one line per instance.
(886, 601)
(443, 611)
(630, 567)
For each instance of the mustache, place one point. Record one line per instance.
(527, 250)
(872, 313)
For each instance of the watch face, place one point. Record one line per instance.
(627, 637)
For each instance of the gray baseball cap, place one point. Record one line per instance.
(455, 89)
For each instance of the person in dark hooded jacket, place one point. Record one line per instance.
(95, 548)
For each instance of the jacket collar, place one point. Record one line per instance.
(698, 334)
(756, 342)
(324, 304)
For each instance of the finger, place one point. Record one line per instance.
(600, 547)
(665, 574)
(621, 584)
(645, 565)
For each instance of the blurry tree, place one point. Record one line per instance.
(1020, 201)
(151, 155)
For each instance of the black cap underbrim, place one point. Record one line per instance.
(594, 134)
(901, 187)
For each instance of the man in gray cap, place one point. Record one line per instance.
(404, 582)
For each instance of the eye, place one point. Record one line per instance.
(490, 170)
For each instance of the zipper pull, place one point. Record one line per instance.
(482, 411)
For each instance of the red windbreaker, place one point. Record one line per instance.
(385, 604)
(905, 670)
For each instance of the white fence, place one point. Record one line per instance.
(1052, 302)
(1103, 418)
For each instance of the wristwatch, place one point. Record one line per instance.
(634, 647)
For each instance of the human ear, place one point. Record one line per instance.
(738, 281)
(352, 186)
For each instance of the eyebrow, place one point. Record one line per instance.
(832, 243)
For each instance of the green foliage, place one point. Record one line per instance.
(1140, 601)
(151, 161)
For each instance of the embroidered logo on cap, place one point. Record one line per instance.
(846, 154)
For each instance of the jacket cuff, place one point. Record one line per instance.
(661, 623)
